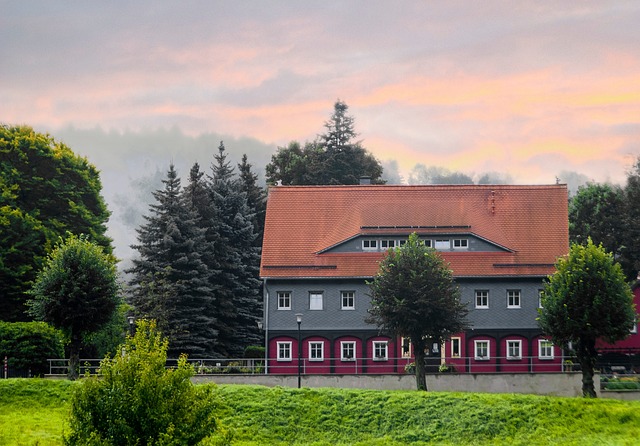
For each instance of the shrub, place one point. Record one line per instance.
(138, 401)
(254, 352)
(28, 345)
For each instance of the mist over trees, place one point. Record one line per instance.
(197, 268)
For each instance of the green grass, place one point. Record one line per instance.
(33, 412)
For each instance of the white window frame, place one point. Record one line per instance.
(545, 349)
(407, 341)
(460, 243)
(382, 346)
(316, 351)
(476, 345)
(347, 345)
(456, 343)
(284, 296)
(485, 305)
(283, 346)
(514, 294)
(348, 296)
(540, 293)
(517, 343)
(442, 244)
(370, 244)
(314, 298)
(388, 244)
(634, 329)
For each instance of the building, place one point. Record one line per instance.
(323, 243)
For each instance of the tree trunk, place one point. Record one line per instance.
(587, 355)
(74, 357)
(418, 351)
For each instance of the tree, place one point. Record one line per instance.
(631, 253)
(76, 291)
(45, 191)
(587, 299)
(238, 300)
(170, 279)
(334, 158)
(597, 211)
(414, 295)
(256, 198)
(137, 400)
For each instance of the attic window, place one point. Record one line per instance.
(442, 244)
(370, 245)
(460, 243)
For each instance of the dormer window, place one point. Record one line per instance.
(460, 243)
(370, 245)
(387, 244)
(442, 244)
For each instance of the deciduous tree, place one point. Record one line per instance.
(414, 295)
(587, 299)
(76, 291)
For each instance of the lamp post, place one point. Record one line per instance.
(132, 326)
(260, 325)
(299, 321)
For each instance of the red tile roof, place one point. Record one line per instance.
(302, 222)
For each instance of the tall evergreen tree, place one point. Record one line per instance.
(256, 198)
(631, 253)
(238, 298)
(170, 274)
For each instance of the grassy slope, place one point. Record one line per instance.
(34, 412)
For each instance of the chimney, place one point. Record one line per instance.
(365, 180)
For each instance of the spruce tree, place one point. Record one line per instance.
(170, 274)
(238, 299)
(256, 198)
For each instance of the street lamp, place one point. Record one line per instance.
(299, 321)
(132, 321)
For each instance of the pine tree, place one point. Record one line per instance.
(238, 299)
(170, 275)
(256, 198)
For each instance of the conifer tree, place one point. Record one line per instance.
(256, 198)
(238, 299)
(170, 274)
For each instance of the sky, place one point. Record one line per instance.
(536, 90)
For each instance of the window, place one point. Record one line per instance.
(545, 349)
(455, 347)
(481, 350)
(514, 349)
(540, 294)
(315, 300)
(369, 245)
(387, 244)
(348, 299)
(380, 350)
(406, 347)
(316, 351)
(284, 300)
(482, 299)
(348, 351)
(442, 244)
(284, 351)
(513, 298)
(460, 243)
(634, 329)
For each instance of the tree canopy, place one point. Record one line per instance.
(414, 295)
(334, 158)
(585, 300)
(76, 291)
(45, 191)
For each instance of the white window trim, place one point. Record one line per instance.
(540, 298)
(386, 350)
(519, 342)
(342, 356)
(321, 344)
(369, 241)
(634, 329)
(540, 350)
(459, 341)
(278, 297)
(475, 298)
(316, 293)
(475, 350)
(290, 344)
(463, 242)
(409, 352)
(353, 298)
(442, 241)
(519, 299)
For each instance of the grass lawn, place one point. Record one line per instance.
(33, 412)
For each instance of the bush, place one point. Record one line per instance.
(254, 352)
(138, 401)
(28, 345)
